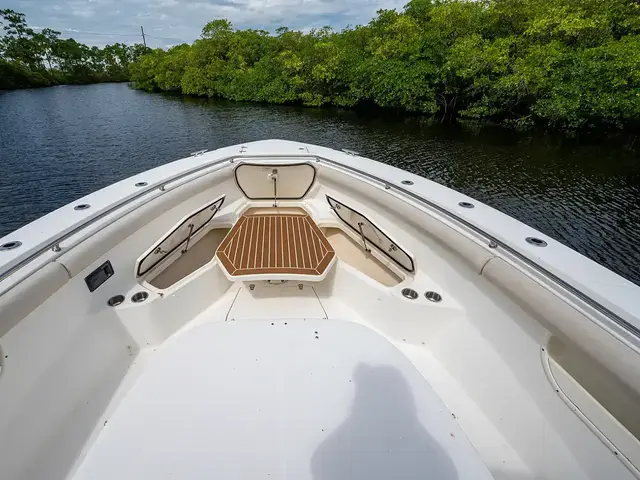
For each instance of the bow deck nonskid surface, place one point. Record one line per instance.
(321, 399)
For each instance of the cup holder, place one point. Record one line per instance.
(115, 300)
(434, 297)
(139, 297)
(409, 293)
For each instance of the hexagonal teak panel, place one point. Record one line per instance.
(280, 244)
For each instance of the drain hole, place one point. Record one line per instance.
(409, 293)
(434, 297)
(466, 204)
(141, 184)
(407, 182)
(115, 300)
(538, 242)
(82, 206)
(139, 297)
(10, 245)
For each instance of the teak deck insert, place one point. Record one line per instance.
(281, 244)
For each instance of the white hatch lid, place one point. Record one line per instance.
(297, 399)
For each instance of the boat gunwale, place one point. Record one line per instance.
(491, 241)
(632, 329)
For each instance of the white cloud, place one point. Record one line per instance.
(83, 12)
(169, 22)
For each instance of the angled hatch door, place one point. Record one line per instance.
(372, 235)
(179, 236)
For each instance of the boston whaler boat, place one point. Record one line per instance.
(282, 310)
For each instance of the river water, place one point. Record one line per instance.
(61, 143)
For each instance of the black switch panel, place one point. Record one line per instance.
(99, 276)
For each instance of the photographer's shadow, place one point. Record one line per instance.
(382, 438)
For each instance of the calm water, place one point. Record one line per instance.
(58, 144)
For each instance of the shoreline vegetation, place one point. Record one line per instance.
(41, 59)
(571, 65)
(556, 65)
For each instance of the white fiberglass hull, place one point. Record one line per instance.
(304, 344)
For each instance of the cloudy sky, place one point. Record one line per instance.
(170, 22)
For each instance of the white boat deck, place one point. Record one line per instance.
(321, 399)
(439, 342)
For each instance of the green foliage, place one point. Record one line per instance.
(30, 59)
(569, 64)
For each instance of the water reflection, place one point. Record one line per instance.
(382, 438)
